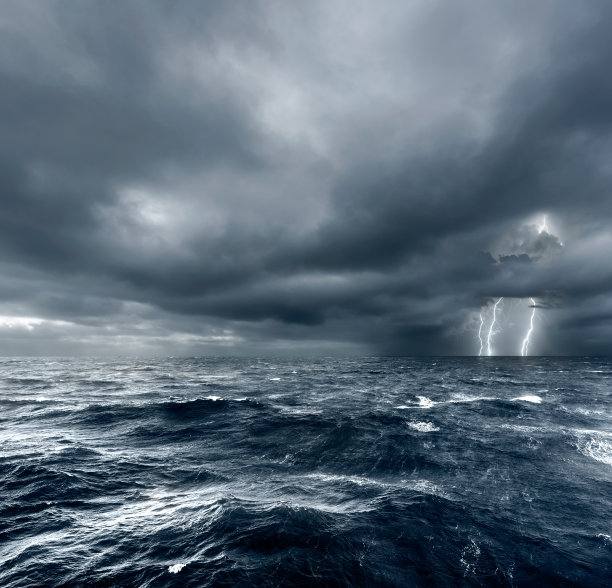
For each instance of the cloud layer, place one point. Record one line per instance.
(321, 177)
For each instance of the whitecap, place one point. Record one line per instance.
(176, 568)
(213, 398)
(529, 398)
(596, 445)
(274, 379)
(423, 427)
(425, 402)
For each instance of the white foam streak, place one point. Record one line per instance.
(424, 486)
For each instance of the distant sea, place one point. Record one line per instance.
(333, 472)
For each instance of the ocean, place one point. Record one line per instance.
(332, 472)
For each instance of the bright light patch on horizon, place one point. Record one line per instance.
(28, 322)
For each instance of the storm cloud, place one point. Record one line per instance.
(285, 177)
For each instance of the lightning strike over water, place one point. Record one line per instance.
(548, 242)
(480, 335)
(491, 331)
(525, 346)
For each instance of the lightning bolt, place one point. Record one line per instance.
(543, 226)
(486, 341)
(525, 345)
(480, 334)
(491, 327)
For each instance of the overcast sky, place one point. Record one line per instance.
(331, 177)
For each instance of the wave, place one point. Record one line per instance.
(457, 473)
(425, 402)
(177, 567)
(423, 427)
(529, 398)
(596, 445)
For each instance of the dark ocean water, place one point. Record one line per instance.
(365, 472)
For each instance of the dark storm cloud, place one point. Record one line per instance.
(84, 107)
(252, 177)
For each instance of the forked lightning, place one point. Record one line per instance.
(525, 346)
(492, 327)
(480, 334)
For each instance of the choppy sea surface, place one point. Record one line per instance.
(334, 472)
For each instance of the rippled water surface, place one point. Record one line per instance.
(368, 472)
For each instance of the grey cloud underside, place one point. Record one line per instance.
(352, 177)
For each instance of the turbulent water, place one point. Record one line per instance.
(366, 472)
